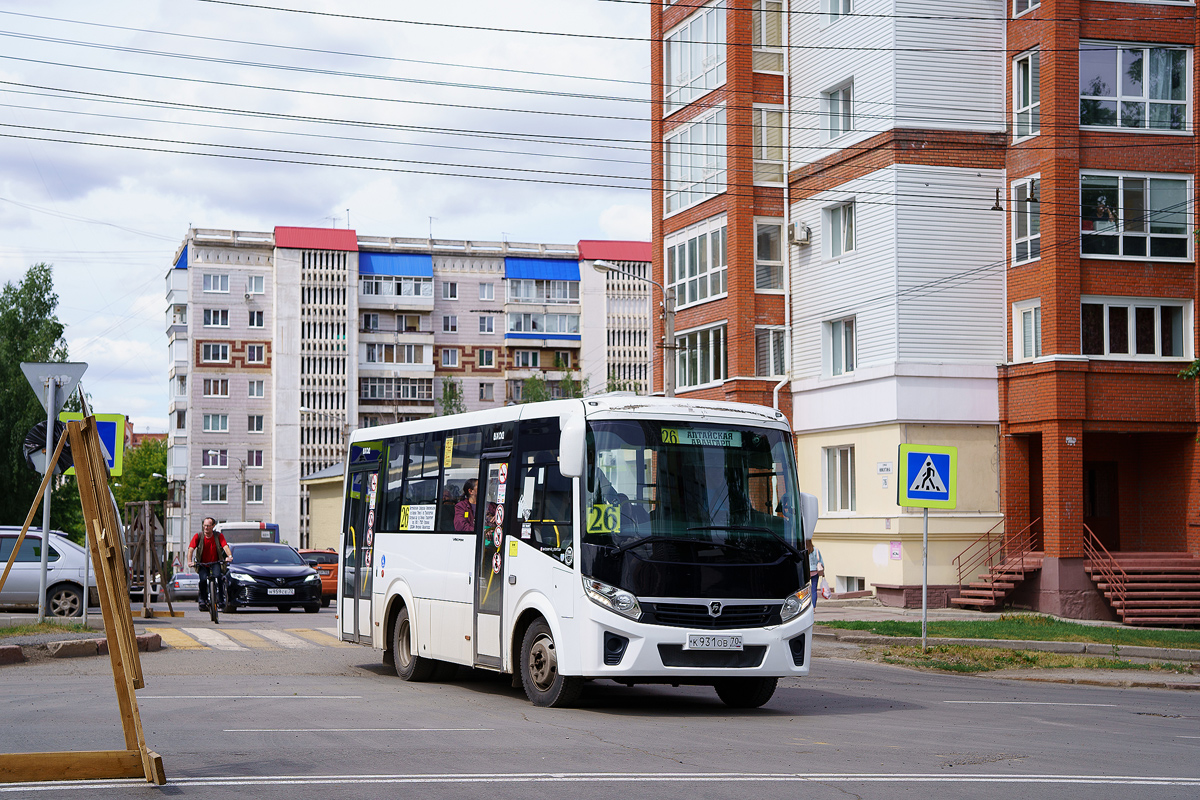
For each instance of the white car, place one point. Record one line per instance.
(64, 572)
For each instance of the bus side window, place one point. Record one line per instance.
(544, 510)
(464, 447)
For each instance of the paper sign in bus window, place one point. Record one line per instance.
(417, 518)
(604, 518)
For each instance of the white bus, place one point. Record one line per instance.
(642, 540)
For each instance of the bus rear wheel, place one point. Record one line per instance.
(544, 685)
(745, 692)
(408, 666)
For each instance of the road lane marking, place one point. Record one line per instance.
(354, 730)
(318, 636)
(617, 777)
(284, 639)
(212, 638)
(251, 639)
(250, 697)
(1028, 703)
(178, 639)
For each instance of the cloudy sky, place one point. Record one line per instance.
(124, 122)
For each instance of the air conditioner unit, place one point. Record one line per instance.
(799, 233)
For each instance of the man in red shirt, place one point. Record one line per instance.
(203, 552)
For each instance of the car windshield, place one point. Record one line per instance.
(732, 487)
(264, 554)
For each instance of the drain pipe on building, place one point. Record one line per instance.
(787, 210)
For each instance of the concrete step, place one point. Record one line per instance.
(1151, 587)
(1195, 620)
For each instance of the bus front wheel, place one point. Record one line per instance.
(544, 685)
(745, 692)
(408, 666)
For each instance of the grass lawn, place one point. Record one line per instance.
(1029, 626)
(46, 627)
(959, 658)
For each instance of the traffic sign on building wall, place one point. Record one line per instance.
(928, 476)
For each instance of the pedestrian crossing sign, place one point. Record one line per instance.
(928, 476)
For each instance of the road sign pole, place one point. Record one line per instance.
(925, 580)
(51, 386)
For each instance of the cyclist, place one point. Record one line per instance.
(203, 552)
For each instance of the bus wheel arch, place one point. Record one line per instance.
(544, 685)
(409, 667)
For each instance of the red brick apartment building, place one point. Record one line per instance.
(1097, 431)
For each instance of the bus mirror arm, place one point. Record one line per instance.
(572, 447)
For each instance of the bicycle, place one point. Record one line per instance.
(216, 586)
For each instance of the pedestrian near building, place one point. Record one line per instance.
(816, 568)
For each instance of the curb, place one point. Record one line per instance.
(81, 648)
(11, 654)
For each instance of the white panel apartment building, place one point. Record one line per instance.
(281, 342)
(897, 270)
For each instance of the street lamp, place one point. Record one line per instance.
(668, 320)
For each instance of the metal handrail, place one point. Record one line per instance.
(1108, 566)
(988, 548)
(974, 560)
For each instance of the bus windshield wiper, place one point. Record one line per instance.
(662, 538)
(756, 528)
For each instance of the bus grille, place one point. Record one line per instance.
(673, 655)
(688, 615)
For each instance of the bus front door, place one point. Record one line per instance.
(358, 535)
(490, 547)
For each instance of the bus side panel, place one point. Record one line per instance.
(451, 627)
(565, 641)
(392, 589)
(542, 582)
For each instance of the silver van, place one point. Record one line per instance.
(64, 573)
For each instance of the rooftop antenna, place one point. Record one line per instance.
(431, 219)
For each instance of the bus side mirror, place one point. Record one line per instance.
(809, 511)
(572, 447)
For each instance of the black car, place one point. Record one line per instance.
(263, 574)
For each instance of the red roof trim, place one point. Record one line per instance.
(316, 239)
(592, 249)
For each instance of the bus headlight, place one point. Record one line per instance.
(612, 598)
(795, 603)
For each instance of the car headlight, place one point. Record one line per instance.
(242, 576)
(795, 603)
(313, 579)
(612, 598)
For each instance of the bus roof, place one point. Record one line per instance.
(602, 406)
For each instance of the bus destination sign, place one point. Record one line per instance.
(706, 438)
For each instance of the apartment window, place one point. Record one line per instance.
(839, 114)
(216, 423)
(543, 323)
(179, 314)
(695, 162)
(408, 323)
(1135, 327)
(181, 385)
(216, 318)
(1135, 216)
(254, 459)
(487, 291)
(766, 35)
(835, 10)
(256, 320)
(1027, 102)
(850, 583)
(1027, 221)
(450, 323)
(449, 356)
(1021, 6)
(370, 322)
(213, 493)
(254, 493)
(256, 389)
(769, 352)
(216, 283)
(1027, 330)
(535, 291)
(697, 264)
(1122, 86)
(254, 285)
(449, 290)
(694, 57)
(395, 388)
(214, 353)
(767, 132)
(214, 458)
(487, 392)
(485, 358)
(216, 387)
(181, 420)
(768, 255)
(254, 423)
(700, 357)
(839, 479)
(562, 359)
(840, 229)
(526, 359)
(487, 324)
(842, 346)
(256, 354)
(389, 286)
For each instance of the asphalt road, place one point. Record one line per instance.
(330, 722)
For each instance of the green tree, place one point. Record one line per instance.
(618, 385)
(568, 385)
(453, 401)
(29, 331)
(534, 390)
(137, 481)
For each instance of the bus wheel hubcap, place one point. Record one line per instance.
(543, 663)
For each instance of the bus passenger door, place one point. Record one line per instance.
(489, 575)
(358, 535)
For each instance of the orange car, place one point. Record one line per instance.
(327, 565)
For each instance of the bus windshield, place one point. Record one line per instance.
(729, 491)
